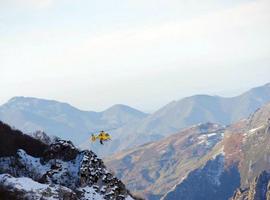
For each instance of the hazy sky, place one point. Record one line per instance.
(93, 54)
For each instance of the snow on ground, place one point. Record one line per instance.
(31, 189)
(205, 136)
(64, 173)
(29, 186)
(90, 194)
(210, 139)
(67, 172)
(211, 134)
(22, 183)
(33, 164)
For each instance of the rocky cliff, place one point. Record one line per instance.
(30, 169)
(259, 189)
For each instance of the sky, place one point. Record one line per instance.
(93, 54)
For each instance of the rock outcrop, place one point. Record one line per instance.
(59, 171)
(259, 189)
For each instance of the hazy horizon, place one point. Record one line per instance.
(222, 94)
(95, 54)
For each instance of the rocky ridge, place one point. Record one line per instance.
(61, 172)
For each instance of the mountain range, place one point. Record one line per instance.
(129, 127)
(63, 120)
(205, 160)
(245, 156)
(186, 112)
(213, 162)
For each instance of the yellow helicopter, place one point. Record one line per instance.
(102, 136)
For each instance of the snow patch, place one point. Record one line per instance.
(210, 139)
(251, 131)
(90, 193)
(22, 183)
(211, 134)
(86, 173)
(30, 188)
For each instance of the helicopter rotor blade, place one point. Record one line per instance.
(98, 131)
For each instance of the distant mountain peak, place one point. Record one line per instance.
(17, 99)
(202, 96)
(124, 108)
(26, 98)
(119, 106)
(34, 99)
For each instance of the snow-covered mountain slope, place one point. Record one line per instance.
(26, 188)
(57, 171)
(63, 120)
